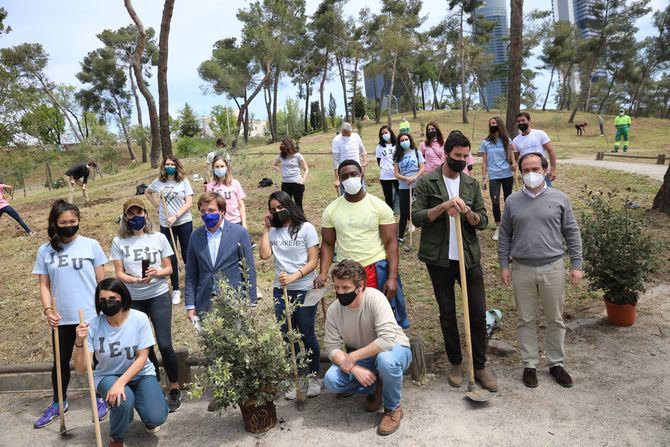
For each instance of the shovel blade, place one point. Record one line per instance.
(478, 395)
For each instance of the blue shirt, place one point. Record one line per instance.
(409, 165)
(214, 241)
(496, 159)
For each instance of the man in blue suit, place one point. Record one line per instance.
(214, 252)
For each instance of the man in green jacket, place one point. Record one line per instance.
(441, 197)
(622, 124)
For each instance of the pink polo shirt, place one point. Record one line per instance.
(433, 154)
(233, 194)
(3, 201)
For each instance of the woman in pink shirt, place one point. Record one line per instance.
(225, 185)
(432, 148)
(6, 208)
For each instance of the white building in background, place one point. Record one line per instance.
(258, 128)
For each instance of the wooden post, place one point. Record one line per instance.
(600, 155)
(660, 160)
(418, 366)
(183, 368)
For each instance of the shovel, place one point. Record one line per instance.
(300, 397)
(475, 394)
(91, 389)
(411, 228)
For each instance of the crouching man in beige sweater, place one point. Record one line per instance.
(368, 349)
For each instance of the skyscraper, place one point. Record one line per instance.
(496, 11)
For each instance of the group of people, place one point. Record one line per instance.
(364, 336)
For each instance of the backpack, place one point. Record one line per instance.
(140, 189)
(265, 182)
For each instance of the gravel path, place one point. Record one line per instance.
(651, 170)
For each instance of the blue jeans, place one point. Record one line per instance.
(303, 321)
(182, 235)
(159, 311)
(144, 394)
(14, 215)
(389, 366)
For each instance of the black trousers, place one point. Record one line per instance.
(403, 194)
(494, 192)
(389, 187)
(295, 190)
(444, 280)
(67, 334)
(182, 235)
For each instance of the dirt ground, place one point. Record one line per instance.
(621, 397)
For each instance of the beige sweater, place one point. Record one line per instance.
(372, 321)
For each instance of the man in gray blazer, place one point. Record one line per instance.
(214, 252)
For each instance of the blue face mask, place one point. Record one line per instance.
(170, 170)
(220, 172)
(211, 219)
(386, 136)
(405, 144)
(137, 222)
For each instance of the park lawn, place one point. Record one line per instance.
(24, 334)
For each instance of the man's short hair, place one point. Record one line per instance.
(210, 197)
(348, 269)
(346, 127)
(543, 160)
(92, 164)
(349, 163)
(526, 114)
(221, 142)
(455, 138)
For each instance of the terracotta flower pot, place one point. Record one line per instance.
(621, 314)
(258, 419)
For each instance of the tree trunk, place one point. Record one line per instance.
(133, 87)
(124, 128)
(163, 100)
(607, 95)
(515, 60)
(462, 48)
(243, 109)
(551, 80)
(481, 92)
(436, 104)
(410, 88)
(53, 99)
(155, 154)
(267, 97)
(389, 105)
(354, 83)
(47, 172)
(321, 86)
(343, 80)
(637, 88)
(306, 106)
(662, 199)
(423, 97)
(275, 100)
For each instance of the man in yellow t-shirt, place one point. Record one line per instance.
(361, 227)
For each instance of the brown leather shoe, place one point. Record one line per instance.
(456, 375)
(373, 402)
(113, 443)
(390, 421)
(486, 379)
(530, 377)
(561, 375)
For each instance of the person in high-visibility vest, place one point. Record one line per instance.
(622, 124)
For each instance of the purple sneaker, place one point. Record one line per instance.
(102, 408)
(50, 414)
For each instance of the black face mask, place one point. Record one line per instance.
(431, 134)
(67, 231)
(110, 307)
(522, 127)
(346, 298)
(493, 129)
(279, 218)
(456, 165)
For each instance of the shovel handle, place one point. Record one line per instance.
(91, 389)
(464, 294)
(59, 379)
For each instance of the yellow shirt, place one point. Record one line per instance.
(357, 228)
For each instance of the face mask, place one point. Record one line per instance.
(493, 129)
(621, 113)
(404, 144)
(110, 307)
(386, 137)
(522, 127)
(170, 170)
(137, 222)
(456, 165)
(279, 218)
(533, 179)
(352, 185)
(220, 172)
(346, 298)
(431, 134)
(67, 231)
(211, 219)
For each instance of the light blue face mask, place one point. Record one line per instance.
(386, 136)
(220, 172)
(404, 144)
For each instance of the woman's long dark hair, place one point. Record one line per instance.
(399, 151)
(297, 216)
(59, 207)
(287, 147)
(383, 142)
(440, 137)
(502, 133)
(116, 286)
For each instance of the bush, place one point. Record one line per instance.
(188, 147)
(618, 254)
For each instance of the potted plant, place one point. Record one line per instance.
(245, 358)
(618, 254)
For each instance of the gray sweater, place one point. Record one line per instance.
(532, 230)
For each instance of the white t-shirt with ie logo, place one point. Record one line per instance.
(291, 253)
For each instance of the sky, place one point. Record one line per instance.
(67, 29)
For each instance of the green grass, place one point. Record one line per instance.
(25, 336)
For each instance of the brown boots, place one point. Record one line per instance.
(456, 375)
(390, 421)
(373, 402)
(484, 376)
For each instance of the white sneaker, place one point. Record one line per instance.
(290, 394)
(314, 388)
(176, 297)
(495, 234)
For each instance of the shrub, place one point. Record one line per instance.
(187, 147)
(618, 254)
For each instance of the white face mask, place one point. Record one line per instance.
(352, 185)
(533, 179)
